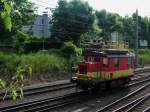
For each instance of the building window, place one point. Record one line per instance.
(116, 62)
(42, 31)
(42, 21)
(105, 61)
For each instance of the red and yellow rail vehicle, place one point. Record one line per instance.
(113, 64)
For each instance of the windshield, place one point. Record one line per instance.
(82, 69)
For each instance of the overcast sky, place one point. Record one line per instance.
(122, 7)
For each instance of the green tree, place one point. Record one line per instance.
(5, 20)
(129, 29)
(12, 88)
(71, 19)
(23, 13)
(109, 22)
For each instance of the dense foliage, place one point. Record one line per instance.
(145, 54)
(76, 21)
(71, 19)
(16, 13)
(73, 23)
(40, 62)
(110, 22)
(5, 20)
(69, 49)
(13, 87)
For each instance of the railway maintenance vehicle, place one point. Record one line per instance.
(104, 66)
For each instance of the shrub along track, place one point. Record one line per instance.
(53, 103)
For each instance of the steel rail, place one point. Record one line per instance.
(123, 98)
(147, 109)
(27, 104)
(139, 77)
(50, 88)
(36, 102)
(44, 89)
(138, 103)
(131, 105)
(142, 70)
(139, 82)
(46, 108)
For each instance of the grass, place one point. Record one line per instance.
(8, 62)
(40, 62)
(145, 55)
(47, 61)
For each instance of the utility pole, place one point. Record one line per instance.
(136, 40)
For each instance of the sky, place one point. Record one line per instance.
(122, 7)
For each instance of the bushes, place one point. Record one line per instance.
(18, 41)
(8, 63)
(35, 46)
(25, 43)
(68, 49)
(43, 61)
(40, 62)
(145, 55)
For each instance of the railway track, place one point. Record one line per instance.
(147, 109)
(42, 89)
(133, 104)
(53, 103)
(128, 102)
(49, 103)
(57, 87)
(140, 80)
(142, 70)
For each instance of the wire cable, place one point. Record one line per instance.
(46, 3)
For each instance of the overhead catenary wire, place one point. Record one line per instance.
(73, 13)
(64, 30)
(46, 3)
(67, 30)
(71, 20)
(66, 23)
(71, 29)
(43, 6)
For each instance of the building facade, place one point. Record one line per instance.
(41, 26)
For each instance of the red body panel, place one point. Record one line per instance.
(98, 66)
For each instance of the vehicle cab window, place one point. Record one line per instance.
(105, 62)
(116, 62)
(129, 60)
